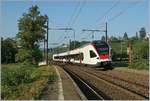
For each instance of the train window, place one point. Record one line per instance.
(92, 54)
(76, 56)
(56, 57)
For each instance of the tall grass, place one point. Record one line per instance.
(141, 64)
(23, 81)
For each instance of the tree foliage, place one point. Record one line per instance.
(9, 50)
(142, 33)
(125, 36)
(31, 32)
(114, 38)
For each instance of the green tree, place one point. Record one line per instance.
(77, 44)
(9, 50)
(125, 36)
(113, 38)
(142, 33)
(144, 49)
(31, 32)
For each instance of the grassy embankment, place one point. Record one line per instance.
(19, 81)
(140, 48)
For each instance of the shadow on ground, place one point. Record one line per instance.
(120, 64)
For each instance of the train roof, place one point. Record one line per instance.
(98, 42)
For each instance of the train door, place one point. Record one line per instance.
(81, 58)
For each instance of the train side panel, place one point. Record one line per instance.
(87, 58)
(89, 54)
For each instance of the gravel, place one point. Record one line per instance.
(107, 84)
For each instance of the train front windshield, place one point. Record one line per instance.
(103, 50)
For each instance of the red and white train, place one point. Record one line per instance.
(96, 53)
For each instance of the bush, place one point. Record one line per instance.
(24, 82)
(14, 76)
(140, 64)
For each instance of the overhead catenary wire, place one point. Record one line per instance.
(73, 14)
(80, 5)
(78, 13)
(124, 10)
(61, 38)
(108, 11)
(100, 18)
(60, 42)
(75, 17)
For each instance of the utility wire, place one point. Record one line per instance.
(124, 10)
(107, 12)
(61, 38)
(78, 13)
(87, 36)
(74, 12)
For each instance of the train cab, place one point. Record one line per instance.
(103, 51)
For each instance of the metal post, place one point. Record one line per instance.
(69, 44)
(74, 38)
(106, 31)
(47, 43)
(121, 49)
(44, 49)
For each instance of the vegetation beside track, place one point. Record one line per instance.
(23, 81)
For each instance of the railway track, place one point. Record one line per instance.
(139, 89)
(123, 86)
(89, 91)
(144, 85)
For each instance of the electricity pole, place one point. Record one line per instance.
(74, 37)
(106, 32)
(44, 49)
(69, 44)
(47, 43)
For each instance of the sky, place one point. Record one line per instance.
(121, 16)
